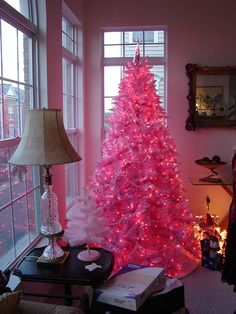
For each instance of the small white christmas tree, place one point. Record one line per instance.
(85, 225)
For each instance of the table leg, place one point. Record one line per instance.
(67, 289)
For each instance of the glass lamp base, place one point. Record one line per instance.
(53, 251)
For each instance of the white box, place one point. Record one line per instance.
(130, 287)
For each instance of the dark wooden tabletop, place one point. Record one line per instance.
(72, 271)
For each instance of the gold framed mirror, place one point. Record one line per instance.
(211, 96)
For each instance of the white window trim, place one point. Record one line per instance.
(76, 58)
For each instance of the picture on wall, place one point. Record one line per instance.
(209, 101)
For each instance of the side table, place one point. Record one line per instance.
(71, 272)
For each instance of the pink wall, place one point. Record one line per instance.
(54, 88)
(200, 32)
(77, 7)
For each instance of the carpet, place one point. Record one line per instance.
(205, 293)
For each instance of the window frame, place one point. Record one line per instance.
(75, 58)
(14, 18)
(122, 61)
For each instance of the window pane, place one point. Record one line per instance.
(23, 209)
(67, 42)
(137, 37)
(70, 118)
(18, 186)
(158, 72)
(68, 94)
(20, 224)
(25, 95)
(71, 182)
(21, 6)
(113, 51)
(71, 173)
(33, 218)
(130, 50)
(4, 177)
(17, 99)
(7, 253)
(131, 38)
(25, 58)
(9, 110)
(63, 25)
(149, 37)
(68, 83)
(108, 104)
(113, 38)
(155, 50)
(112, 76)
(9, 51)
(159, 37)
(67, 35)
(67, 28)
(31, 173)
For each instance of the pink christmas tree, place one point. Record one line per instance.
(137, 182)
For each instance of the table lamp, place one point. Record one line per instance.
(45, 143)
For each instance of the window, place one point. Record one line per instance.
(22, 6)
(19, 194)
(70, 71)
(138, 36)
(119, 48)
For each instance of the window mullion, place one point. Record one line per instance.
(27, 209)
(116, 61)
(144, 53)
(11, 204)
(18, 77)
(123, 44)
(1, 109)
(35, 73)
(69, 55)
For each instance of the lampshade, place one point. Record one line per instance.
(44, 141)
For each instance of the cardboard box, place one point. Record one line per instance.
(130, 287)
(212, 262)
(169, 300)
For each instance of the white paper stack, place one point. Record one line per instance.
(131, 286)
